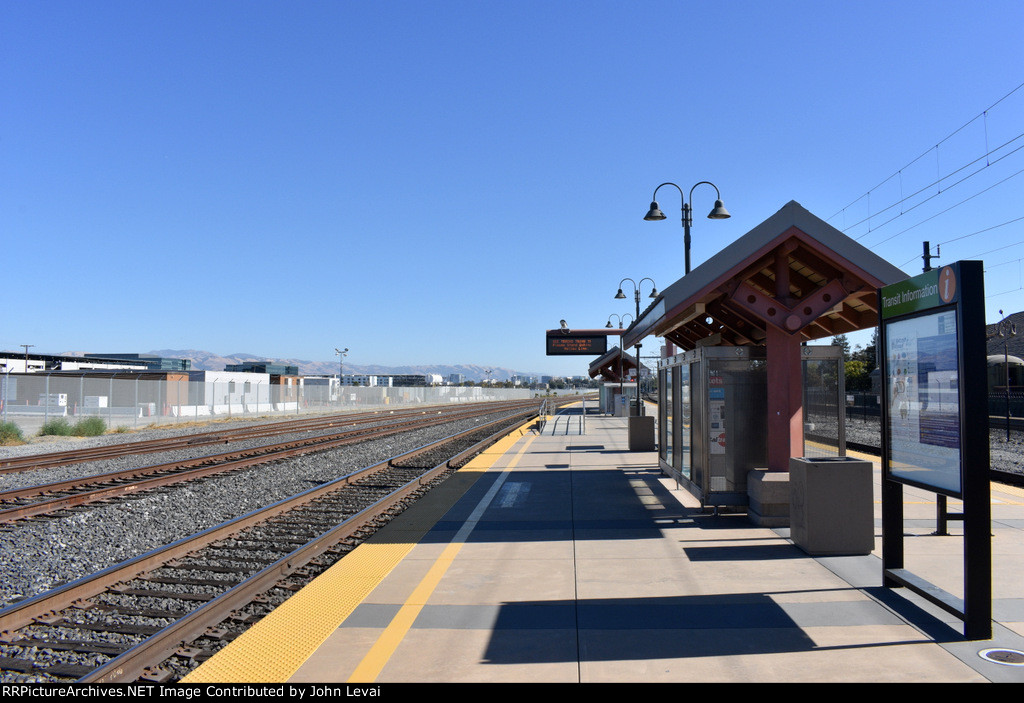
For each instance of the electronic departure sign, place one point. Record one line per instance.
(935, 424)
(563, 342)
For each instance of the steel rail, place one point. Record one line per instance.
(133, 663)
(201, 467)
(226, 435)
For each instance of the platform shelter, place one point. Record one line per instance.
(616, 369)
(791, 279)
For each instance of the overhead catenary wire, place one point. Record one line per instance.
(943, 212)
(1020, 277)
(962, 169)
(938, 182)
(973, 234)
(898, 173)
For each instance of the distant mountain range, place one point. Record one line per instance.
(208, 361)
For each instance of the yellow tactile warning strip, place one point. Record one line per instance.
(999, 491)
(1008, 490)
(275, 647)
(373, 663)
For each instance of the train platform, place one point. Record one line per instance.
(561, 557)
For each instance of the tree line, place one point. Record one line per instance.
(859, 362)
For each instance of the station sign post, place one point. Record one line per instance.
(935, 425)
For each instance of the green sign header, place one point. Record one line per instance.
(928, 290)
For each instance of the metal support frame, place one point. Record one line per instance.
(975, 609)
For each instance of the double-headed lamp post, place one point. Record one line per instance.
(621, 318)
(609, 326)
(1006, 329)
(341, 354)
(718, 213)
(636, 294)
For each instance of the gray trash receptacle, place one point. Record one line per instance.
(831, 505)
(641, 434)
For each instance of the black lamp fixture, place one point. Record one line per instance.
(717, 213)
(341, 354)
(619, 295)
(636, 293)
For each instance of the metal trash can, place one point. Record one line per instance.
(831, 505)
(641, 434)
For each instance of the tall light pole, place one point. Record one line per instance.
(622, 296)
(341, 353)
(621, 318)
(718, 213)
(1006, 329)
(27, 347)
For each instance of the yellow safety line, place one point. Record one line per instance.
(382, 650)
(273, 649)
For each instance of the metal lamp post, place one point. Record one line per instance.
(718, 213)
(621, 318)
(1006, 329)
(609, 325)
(341, 353)
(619, 295)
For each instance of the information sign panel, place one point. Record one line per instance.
(935, 425)
(922, 387)
(576, 344)
(921, 339)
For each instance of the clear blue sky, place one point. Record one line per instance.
(440, 182)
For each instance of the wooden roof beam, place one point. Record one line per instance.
(813, 261)
(683, 337)
(737, 322)
(867, 298)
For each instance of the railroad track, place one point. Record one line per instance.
(22, 503)
(156, 616)
(220, 436)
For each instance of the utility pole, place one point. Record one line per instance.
(26, 354)
(927, 256)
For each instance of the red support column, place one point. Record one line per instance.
(785, 398)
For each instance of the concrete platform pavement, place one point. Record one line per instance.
(572, 559)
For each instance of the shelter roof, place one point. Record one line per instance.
(612, 366)
(794, 271)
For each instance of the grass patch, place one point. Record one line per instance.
(10, 434)
(89, 427)
(59, 427)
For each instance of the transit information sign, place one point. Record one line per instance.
(922, 344)
(922, 386)
(560, 343)
(935, 426)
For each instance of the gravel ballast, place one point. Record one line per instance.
(1004, 455)
(42, 554)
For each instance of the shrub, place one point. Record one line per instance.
(10, 434)
(59, 427)
(89, 427)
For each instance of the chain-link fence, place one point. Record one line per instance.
(133, 400)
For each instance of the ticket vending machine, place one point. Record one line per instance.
(712, 416)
